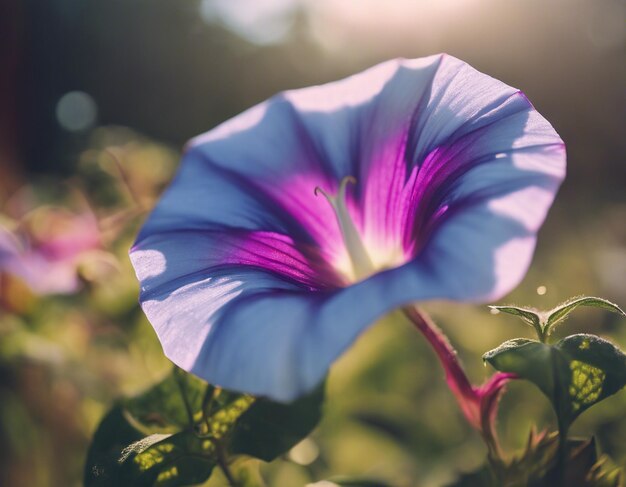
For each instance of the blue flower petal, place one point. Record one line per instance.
(248, 329)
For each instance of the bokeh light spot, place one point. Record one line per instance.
(304, 453)
(258, 21)
(76, 111)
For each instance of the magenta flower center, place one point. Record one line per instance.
(361, 256)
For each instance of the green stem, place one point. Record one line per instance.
(207, 401)
(540, 334)
(558, 475)
(223, 464)
(563, 426)
(496, 466)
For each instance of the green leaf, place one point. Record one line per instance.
(223, 419)
(119, 455)
(268, 429)
(529, 316)
(171, 434)
(167, 406)
(167, 461)
(529, 359)
(544, 321)
(114, 433)
(576, 373)
(558, 314)
(597, 369)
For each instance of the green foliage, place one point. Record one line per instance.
(544, 322)
(558, 314)
(177, 432)
(575, 373)
(168, 404)
(113, 435)
(537, 466)
(529, 316)
(167, 461)
(268, 429)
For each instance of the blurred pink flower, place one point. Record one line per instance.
(46, 247)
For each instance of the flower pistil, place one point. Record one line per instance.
(362, 265)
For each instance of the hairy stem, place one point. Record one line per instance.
(459, 384)
(455, 375)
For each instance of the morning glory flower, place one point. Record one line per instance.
(294, 226)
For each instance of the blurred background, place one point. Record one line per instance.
(97, 99)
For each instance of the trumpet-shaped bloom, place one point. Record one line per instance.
(294, 226)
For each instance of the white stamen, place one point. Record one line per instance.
(362, 265)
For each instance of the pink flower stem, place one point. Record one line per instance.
(477, 404)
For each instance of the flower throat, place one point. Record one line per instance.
(362, 265)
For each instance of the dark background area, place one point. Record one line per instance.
(159, 67)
